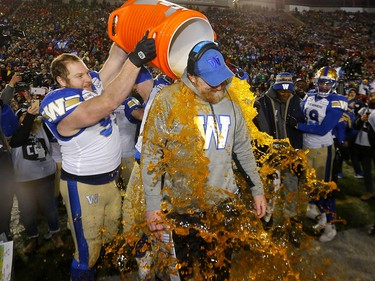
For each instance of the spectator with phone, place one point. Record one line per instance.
(365, 151)
(34, 174)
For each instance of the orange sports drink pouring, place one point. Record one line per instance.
(176, 31)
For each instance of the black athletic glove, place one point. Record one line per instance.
(291, 121)
(144, 52)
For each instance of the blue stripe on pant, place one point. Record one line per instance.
(328, 205)
(328, 172)
(80, 271)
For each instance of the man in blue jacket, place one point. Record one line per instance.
(9, 124)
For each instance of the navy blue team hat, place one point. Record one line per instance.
(284, 81)
(212, 69)
(143, 75)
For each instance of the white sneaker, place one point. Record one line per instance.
(312, 212)
(322, 222)
(329, 233)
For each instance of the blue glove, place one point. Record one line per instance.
(131, 104)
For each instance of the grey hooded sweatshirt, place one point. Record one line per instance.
(187, 152)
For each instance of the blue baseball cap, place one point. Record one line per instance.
(143, 75)
(284, 81)
(212, 69)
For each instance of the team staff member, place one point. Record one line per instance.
(80, 115)
(192, 130)
(277, 109)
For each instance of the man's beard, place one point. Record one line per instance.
(70, 85)
(212, 96)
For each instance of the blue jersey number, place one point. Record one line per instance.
(313, 117)
(107, 124)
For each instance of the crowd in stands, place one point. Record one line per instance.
(266, 43)
(259, 42)
(262, 43)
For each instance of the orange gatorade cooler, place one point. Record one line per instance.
(175, 29)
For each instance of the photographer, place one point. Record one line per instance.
(365, 151)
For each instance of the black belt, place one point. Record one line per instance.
(92, 179)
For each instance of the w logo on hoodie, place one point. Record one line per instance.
(214, 127)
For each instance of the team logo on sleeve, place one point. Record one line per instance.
(59, 107)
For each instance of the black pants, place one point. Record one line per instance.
(366, 155)
(212, 257)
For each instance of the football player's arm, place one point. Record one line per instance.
(138, 113)
(113, 64)
(133, 110)
(91, 111)
(115, 91)
(330, 121)
(340, 131)
(144, 52)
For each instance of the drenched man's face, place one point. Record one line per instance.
(208, 93)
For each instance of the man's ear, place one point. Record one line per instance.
(192, 78)
(61, 81)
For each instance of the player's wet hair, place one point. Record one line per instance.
(58, 65)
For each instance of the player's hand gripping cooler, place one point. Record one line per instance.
(175, 30)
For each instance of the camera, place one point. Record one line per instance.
(27, 79)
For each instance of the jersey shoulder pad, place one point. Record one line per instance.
(59, 103)
(339, 102)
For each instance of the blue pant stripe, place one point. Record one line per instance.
(327, 176)
(75, 208)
